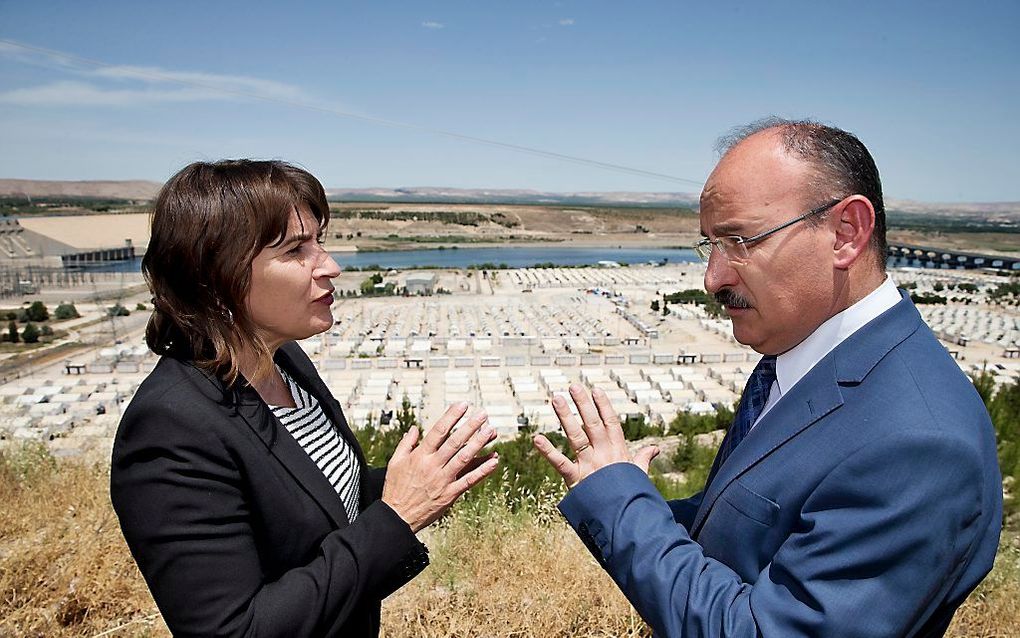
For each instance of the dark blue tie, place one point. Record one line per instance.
(752, 402)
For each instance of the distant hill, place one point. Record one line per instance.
(131, 189)
(999, 212)
(425, 194)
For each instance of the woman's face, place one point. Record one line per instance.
(291, 292)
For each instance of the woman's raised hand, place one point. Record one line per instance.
(423, 480)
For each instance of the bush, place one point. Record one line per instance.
(37, 312)
(65, 311)
(31, 333)
(118, 310)
(12, 332)
(46, 331)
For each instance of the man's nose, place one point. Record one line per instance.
(719, 272)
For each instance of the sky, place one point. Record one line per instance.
(401, 94)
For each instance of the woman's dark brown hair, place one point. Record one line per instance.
(208, 224)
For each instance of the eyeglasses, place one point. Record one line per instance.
(734, 247)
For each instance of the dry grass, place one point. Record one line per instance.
(65, 571)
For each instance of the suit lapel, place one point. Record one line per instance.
(813, 397)
(816, 395)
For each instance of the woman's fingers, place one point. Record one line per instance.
(479, 439)
(590, 419)
(405, 445)
(460, 436)
(477, 462)
(472, 478)
(441, 428)
(566, 468)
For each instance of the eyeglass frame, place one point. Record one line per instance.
(739, 240)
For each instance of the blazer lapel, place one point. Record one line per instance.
(289, 452)
(330, 406)
(306, 377)
(816, 395)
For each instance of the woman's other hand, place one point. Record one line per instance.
(423, 480)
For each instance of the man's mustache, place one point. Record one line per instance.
(728, 297)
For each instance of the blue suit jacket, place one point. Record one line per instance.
(866, 502)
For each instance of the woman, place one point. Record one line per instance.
(240, 489)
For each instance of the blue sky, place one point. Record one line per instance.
(931, 87)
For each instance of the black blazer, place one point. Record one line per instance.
(235, 529)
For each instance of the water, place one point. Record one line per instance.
(461, 257)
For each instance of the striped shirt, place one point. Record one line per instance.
(312, 429)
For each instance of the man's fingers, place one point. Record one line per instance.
(570, 424)
(566, 468)
(644, 457)
(590, 419)
(441, 428)
(609, 417)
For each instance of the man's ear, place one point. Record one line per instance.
(854, 222)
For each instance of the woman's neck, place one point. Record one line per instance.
(270, 385)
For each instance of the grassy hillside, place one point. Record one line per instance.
(65, 571)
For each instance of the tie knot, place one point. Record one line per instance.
(766, 369)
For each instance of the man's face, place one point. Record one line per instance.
(785, 288)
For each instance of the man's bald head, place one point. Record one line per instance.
(841, 164)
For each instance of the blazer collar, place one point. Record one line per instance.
(814, 396)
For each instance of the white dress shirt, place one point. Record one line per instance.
(792, 365)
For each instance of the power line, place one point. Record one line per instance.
(152, 75)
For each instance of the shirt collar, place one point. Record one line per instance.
(792, 365)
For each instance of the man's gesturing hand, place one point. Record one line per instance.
(596, 438)
(422, 481)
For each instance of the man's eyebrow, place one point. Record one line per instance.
(727, 228)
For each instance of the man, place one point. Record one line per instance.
(857, 492)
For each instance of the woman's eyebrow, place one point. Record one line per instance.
(295, 239)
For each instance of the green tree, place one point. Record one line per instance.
(12, 332)
(655, 305)
(117, 310)
(65, 311)
(31, 333)
(37, 312)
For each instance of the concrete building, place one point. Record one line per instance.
(419, 283)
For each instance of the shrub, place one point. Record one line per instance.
(31, 333)
(65, 311)
(37, 312)
(12, 332)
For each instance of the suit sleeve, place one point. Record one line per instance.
(684, 510)
(184, 512)
(878, 542)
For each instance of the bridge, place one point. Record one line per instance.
(907, 255)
